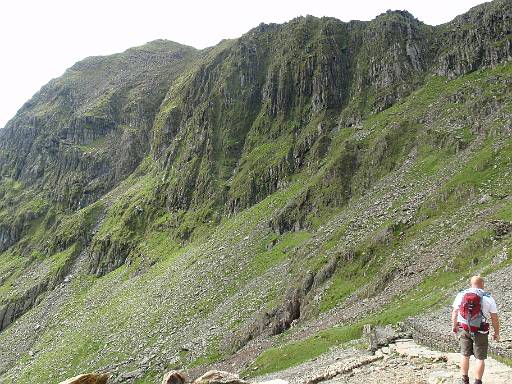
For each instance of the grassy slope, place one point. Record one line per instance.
(484, 173)
(225, 275)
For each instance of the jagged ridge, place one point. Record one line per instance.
(128, 161)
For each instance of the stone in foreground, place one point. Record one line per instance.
(173, 377)
(88, 378)
(219, 377)
(275, 381)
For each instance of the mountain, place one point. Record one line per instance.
(172, 207)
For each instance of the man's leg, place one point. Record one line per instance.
(479, 369)
(464, 365)
(481, 347)
(466, 350)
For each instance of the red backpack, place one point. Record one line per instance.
(471, 311)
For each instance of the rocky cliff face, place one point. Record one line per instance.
(481, 37)
(228, 194)
(84, 132)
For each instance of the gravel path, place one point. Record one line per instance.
(330, 364)
(404, 362)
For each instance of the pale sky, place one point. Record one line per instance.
(41, 38)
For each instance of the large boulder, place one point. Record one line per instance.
(88, 378)
(174, 377)
(378, 336)
(219, 377)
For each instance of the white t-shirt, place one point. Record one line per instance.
(488, 303)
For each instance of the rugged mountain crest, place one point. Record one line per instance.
(478, 38)
(191, 201)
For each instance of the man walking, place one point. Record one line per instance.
(471, 312)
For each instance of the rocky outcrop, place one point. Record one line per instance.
(107, 255)
(382, 336)
(294, 216)
(9, 234)
(16, 306)
(290, 311)
(501, 227)
(263, 183)
(396, 52)
(13, 229)
(479, 38)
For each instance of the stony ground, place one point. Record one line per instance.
(404, 362)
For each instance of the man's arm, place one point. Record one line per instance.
(455, 326)
(495, 326)
(455, 313)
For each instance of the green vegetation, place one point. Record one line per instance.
(61, 259)
(93, 145)
(301, 159)
(430, 293)
(278, 253)
(502, 359)
(288, 355)
(351, 275)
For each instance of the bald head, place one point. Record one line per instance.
(477, 282)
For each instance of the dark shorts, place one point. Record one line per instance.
(478, 345)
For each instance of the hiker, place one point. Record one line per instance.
(471, 312)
